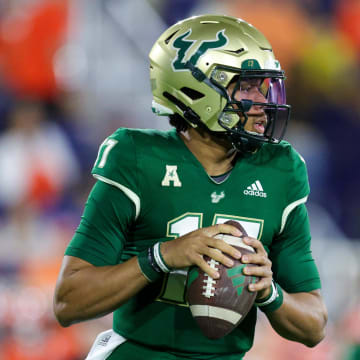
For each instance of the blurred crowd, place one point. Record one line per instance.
(71, 72)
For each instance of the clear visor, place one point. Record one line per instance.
(277, 122)
(267, 90)
(276, 91)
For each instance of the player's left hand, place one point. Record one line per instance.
(263, 270)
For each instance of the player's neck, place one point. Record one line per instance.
(215, 156)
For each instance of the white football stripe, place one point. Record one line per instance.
(215, 312)
(234, 241)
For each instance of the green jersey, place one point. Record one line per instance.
(151, 188)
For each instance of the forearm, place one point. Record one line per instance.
(84, 291)
(302, 317)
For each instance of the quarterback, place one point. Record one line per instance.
(161, 197)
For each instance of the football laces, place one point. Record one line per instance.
(209, 287)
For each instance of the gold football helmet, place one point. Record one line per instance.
(192, 65)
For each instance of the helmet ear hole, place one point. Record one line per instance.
(192, 93)
(188, 113)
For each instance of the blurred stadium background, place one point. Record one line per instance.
(72, 71)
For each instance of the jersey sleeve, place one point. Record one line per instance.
(103, 230)
(298, 188)
(299, 183)
(292, 262)
(116, 165)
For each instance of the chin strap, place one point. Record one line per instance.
(245, 146)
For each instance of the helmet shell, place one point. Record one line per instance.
(220, 46)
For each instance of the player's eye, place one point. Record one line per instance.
(245, 87)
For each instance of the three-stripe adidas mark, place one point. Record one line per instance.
(255, 189)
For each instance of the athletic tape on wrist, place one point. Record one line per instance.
(146, 266)
(274, 301)
(159, 259)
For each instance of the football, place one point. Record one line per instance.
(219, 305)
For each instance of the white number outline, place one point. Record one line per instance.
(103, 154)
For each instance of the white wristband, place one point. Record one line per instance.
(159, 261)
(272, 298)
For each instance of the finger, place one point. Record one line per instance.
(256, 259)
(212, 270)
(255, 243)
(218, 256)
(224, 247)
(259, 271)
(211, 231)
(262, 284)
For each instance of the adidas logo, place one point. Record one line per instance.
(255, 189)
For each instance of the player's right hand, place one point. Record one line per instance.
(190, 249)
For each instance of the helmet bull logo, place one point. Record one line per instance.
(184, 45)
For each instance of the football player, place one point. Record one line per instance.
(161, 197)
